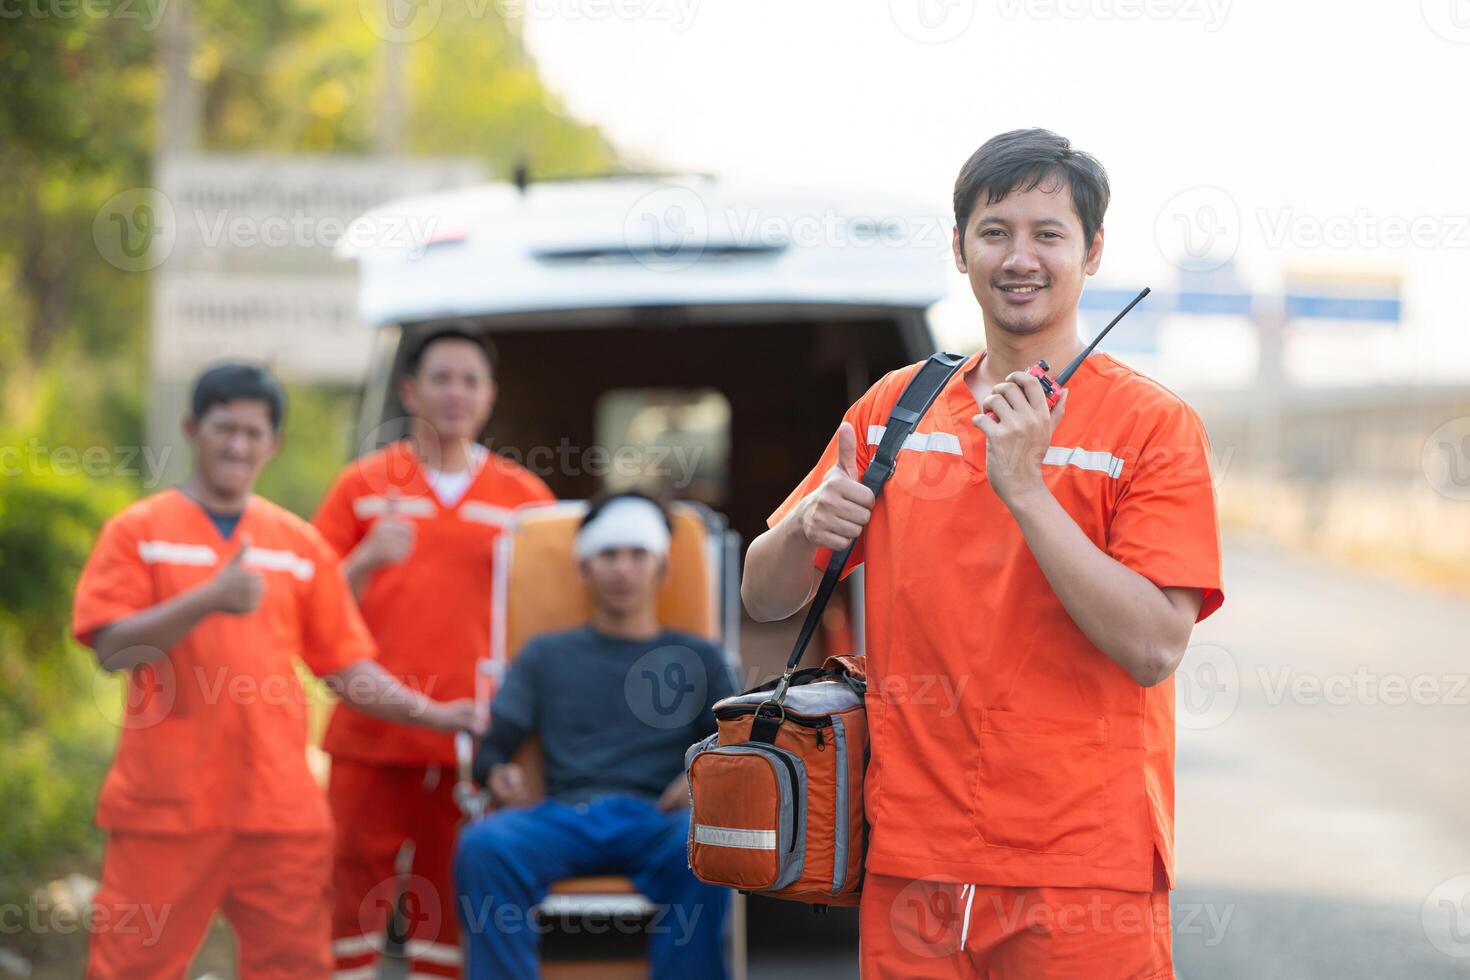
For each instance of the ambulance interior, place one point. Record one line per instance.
(727, 406)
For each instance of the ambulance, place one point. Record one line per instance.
(676, 331)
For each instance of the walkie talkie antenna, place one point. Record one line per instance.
(1071, 369)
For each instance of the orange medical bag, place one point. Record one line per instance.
(776, 794)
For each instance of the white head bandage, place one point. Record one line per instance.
(626, 522)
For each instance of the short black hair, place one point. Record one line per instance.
(234, 380)
(485, 344)
(1024, 158)
(601, 500)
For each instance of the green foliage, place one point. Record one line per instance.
(77, 90)
(74, 130)
(283, 77)
(47, 526)
(49, 780)
(57, 740)
(499, 110)
(77, 127)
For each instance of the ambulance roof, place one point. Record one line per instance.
(642, 241)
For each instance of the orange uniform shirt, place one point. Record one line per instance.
(214, 734)
(431, 614)
(1007, 749)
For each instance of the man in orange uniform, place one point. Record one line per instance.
(208, 595)
(416, 524)
(1032, 583)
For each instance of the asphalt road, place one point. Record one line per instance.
(1323, 793)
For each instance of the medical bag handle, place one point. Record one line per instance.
(917, 396)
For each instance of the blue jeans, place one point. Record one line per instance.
(506, 862)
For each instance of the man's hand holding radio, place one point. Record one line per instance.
(1018, 427)
(837, 511)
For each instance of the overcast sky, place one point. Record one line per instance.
(1299, 134)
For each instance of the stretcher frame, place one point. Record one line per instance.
(615, 895)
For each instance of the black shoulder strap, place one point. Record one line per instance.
(918, 395)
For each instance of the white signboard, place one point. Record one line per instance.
(304, 327)
(274, 208)
(242, 257)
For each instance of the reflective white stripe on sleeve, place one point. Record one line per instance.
(1098, 460)
(755, 840)
(483, 513)
(281, 561)
(357, 945)
(376, 506)
(924, 442)
(174, 553)
(431, 952)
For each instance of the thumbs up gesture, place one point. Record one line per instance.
(837, 511)
(390, 540)
(235, 589)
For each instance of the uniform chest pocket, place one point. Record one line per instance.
(1039, 782)
(1088, 498)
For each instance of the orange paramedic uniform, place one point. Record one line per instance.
(430, 616)
(1007, 750)
(209, 802)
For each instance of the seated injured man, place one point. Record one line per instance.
(615, 703)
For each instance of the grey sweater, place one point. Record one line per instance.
(614, 715)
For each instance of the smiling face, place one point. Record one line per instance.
(1027, 258)
(452, 390)
(232, 441)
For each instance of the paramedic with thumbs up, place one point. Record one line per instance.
(416, 524)
(1050, 565)
(208, 595)
(389, 541)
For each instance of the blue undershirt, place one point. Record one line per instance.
(225, 523)
(614, 715)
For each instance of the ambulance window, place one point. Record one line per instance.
(380, 416)
(670, 439)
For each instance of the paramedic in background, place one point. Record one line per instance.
(1056, 563)
(208, 596)
(616, 703)
(416, 525)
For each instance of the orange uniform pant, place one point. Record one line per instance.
(377, 809)
(926, 929)
(160, 892)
